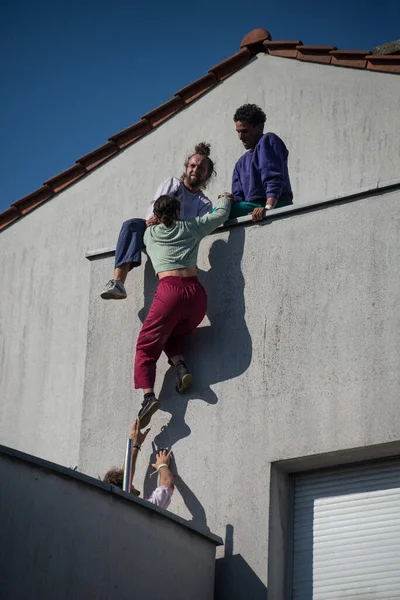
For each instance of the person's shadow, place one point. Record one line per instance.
(191, 501)
(234, 578)
(214, 353)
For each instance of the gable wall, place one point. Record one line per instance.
(340, 126)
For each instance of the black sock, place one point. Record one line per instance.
(181, 365)
(149, 395)
(179, 362)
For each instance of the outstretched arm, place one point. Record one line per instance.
(163, 457)
(163, 493)
(137, 437)
(219, 215)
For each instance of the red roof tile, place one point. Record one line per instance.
(320, 54)
(31, 201)
(386, 62)
(258, 40)
(230, 65)
(198, 87)
(131, 134)
(66, 178)
(96, 157)
(255, 38)
(349, 58)
(8, 216)
(287, 49)
(165, 111)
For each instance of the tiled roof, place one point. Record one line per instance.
(389, 48)
(258, 40)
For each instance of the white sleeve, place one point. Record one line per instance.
(169, 187)
(206, 206)
(162, 496)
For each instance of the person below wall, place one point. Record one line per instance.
(260, 179)
(199, 168)
(163, 492)
(180, 301)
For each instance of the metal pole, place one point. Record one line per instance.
(128, 467)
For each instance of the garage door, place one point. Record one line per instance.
(346, 533)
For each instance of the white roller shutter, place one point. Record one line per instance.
(346, 533)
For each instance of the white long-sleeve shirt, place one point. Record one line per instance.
(161, 496)
(193, 204)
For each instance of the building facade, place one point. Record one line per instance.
(297, 365)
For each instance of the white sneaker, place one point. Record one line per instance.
(114, 290)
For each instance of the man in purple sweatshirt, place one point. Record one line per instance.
(260, 178)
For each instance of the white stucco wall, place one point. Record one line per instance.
(299, 355)
(341, 129)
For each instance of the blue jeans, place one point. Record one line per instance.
(130, 243)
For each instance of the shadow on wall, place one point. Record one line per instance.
(215, 353)
(234, 578)
(193, 505)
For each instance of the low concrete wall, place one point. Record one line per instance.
(299, 356)
(65, 535)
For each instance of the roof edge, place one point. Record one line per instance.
(368, 191)
(46, 465)
(256, 41)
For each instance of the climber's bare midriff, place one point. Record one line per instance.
(188, 272)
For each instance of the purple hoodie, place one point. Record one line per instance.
(263, 173)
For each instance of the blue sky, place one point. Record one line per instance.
(73, 73)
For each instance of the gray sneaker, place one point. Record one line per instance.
(114, 290)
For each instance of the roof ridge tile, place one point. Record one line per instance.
(65, 178)
(34, 199)
(319, 54)
(316, 49)
(349, 58)
(350, 52)
(257, 40)
(254, 39)
(8, 216)
(131, 134)
(283, 48)
(94, 158)
(232, 64)
(387, 63)
(163, 112)
(197, 87)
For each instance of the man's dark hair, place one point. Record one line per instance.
(114, 476)
(202, 149)
(165, 208)
(250, 113)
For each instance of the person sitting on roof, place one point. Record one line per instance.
(260, 179)
(199, 168)
(180, 301)
(163, 493)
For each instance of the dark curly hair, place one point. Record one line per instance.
(250, 113)
(203, 149)
(165, 208)
(115, 476)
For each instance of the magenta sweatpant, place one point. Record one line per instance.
(179, 305)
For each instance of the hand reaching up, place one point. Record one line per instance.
(137, 436)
